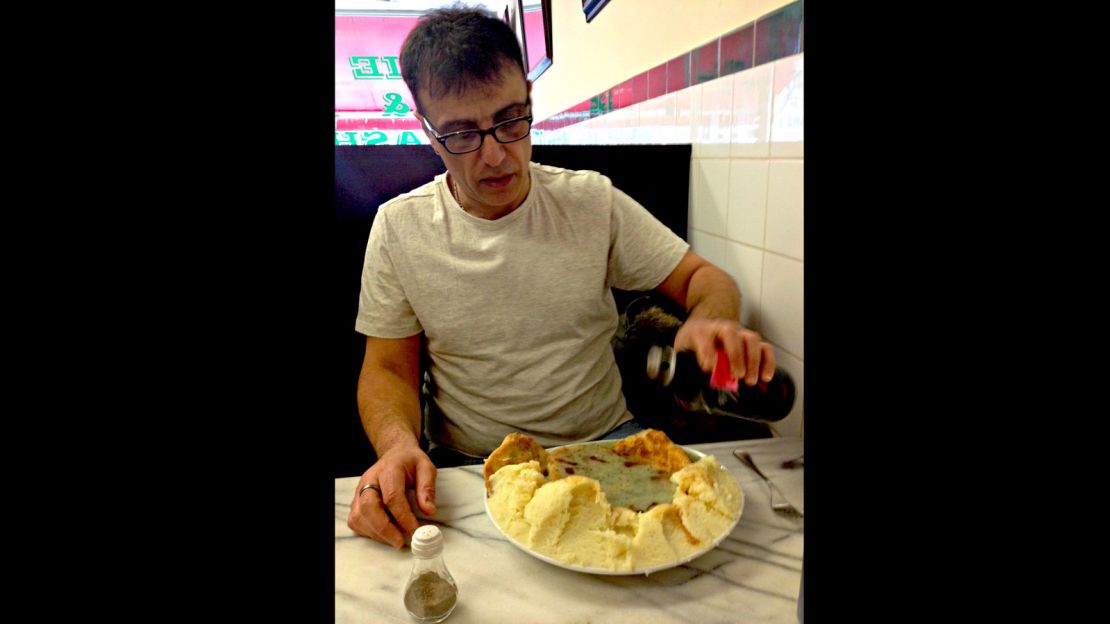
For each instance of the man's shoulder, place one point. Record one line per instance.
(574, 178)
(412, 202)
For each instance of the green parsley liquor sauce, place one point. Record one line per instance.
(626, 481)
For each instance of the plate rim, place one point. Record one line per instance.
(695, 455)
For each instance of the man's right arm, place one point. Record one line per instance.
(389, 392)
(389, 405)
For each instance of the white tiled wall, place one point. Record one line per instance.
(746, 190)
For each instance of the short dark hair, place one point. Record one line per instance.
(451, 49)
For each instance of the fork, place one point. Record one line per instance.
(783, 507)
(797, 462)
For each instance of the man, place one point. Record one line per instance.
(504, 266)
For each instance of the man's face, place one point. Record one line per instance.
(493, 180)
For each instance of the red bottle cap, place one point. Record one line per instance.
(722, 378)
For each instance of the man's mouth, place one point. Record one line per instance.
(498, 182)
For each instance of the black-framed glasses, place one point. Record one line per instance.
(465, 141)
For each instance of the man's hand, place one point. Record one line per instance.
(750, 357)
(713, 300)
(385, 515)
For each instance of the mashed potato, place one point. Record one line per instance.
(570, 518)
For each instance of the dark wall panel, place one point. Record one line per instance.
(658, 176)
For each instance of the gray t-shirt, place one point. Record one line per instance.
(517, 311)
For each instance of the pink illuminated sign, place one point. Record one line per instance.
(367, 74)
(372, 103)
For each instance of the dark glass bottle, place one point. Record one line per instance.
(767, 401)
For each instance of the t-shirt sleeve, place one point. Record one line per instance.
(642, 251)
(383, 309)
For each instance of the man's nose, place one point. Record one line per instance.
(492, 151)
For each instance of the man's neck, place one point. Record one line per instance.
(481, 213)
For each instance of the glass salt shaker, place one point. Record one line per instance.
(431, 592)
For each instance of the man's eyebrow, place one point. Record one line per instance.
(516, 109)
(512, 110)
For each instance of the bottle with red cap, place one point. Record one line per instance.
(717, 392)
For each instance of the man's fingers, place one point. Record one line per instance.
(382, 526)
(750, 357)
(752, 352)
(707, 354)
(734, 348)
(369, 519)
(769, 363)
(426, 486)
(393, 494)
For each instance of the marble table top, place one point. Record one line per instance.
(753, 576)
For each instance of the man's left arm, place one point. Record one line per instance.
(712, 303)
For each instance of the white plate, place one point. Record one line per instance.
(694, 455)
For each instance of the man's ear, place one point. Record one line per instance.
(424, 128)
